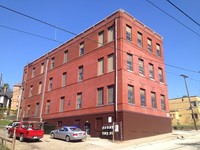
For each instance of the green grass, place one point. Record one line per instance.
(4, 122)
(185, 127)
(3, 147)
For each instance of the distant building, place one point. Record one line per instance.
(15, 98)
(74, 84)
(5, 99)
(181, 113)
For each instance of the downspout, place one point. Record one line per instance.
(116, 75)
(44, 87)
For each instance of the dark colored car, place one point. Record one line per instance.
(27, 130)
(68, 133)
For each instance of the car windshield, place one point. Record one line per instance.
(34, 126)
(75, 129)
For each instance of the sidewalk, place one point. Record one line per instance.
(117, 145)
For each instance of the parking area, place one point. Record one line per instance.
(177, 140)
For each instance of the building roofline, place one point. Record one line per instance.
(79, 34)
(184, 97)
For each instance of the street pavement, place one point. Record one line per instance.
(177, 140)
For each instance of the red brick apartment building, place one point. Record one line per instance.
(74, 84)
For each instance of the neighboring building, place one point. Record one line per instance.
(181, 113)
(5, 99)
(16, 96)
(74, 84)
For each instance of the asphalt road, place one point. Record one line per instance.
(178, 140)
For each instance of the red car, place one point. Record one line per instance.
(27, 130)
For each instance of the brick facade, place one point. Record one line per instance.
(86, 98)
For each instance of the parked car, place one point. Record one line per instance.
(68, 133)
(10, 125)
(27, 130)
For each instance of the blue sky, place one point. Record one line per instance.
(181, 46)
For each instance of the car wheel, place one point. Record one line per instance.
(9, 134)
(52, 135)
(21, 138)
(67, 139)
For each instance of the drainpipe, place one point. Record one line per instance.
(116, 76)
(44, 87)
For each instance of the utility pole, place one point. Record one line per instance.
(184, 76)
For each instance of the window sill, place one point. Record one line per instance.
(152, 79)
(130, 70)
(141, 75)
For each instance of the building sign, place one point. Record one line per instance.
(107, 131)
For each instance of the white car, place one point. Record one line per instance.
(10, 125)
(68, 133)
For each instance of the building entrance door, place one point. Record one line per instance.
(87, 128)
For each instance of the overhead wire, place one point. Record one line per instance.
(32, 34)
(173, 18)
(184, 13)
(44, 22)
(70, 32)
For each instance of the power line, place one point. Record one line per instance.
(183, 12)
(32, 34)
(30, 17)
(173, 18)
(44, 22)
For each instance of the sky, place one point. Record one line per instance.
(181, 39)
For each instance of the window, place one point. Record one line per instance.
(50, 83)
(194, 116)
(100, 66)
(100, 96)
(28, 110)
(128, 33)
(62, 102)
(25, 76)
(40, 87)
(33, 72)
(79, 101)
(163, 106)
(64, 79)
(129, 62)
(151, 71)
(31, 91)
(149, 45)
(81, 52)
(37, 109)
(158, 50)
(80, 73)
(65, 56)
(130, 94)
(100, 39)
(193, 103)
(111, 34)
(141, 67)
(52, 63)
(42, 68)
(139, 39)
(160, 74)
(153, 100)
(111, 94)
(142, 97)
(110, 63)
(48, 107)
